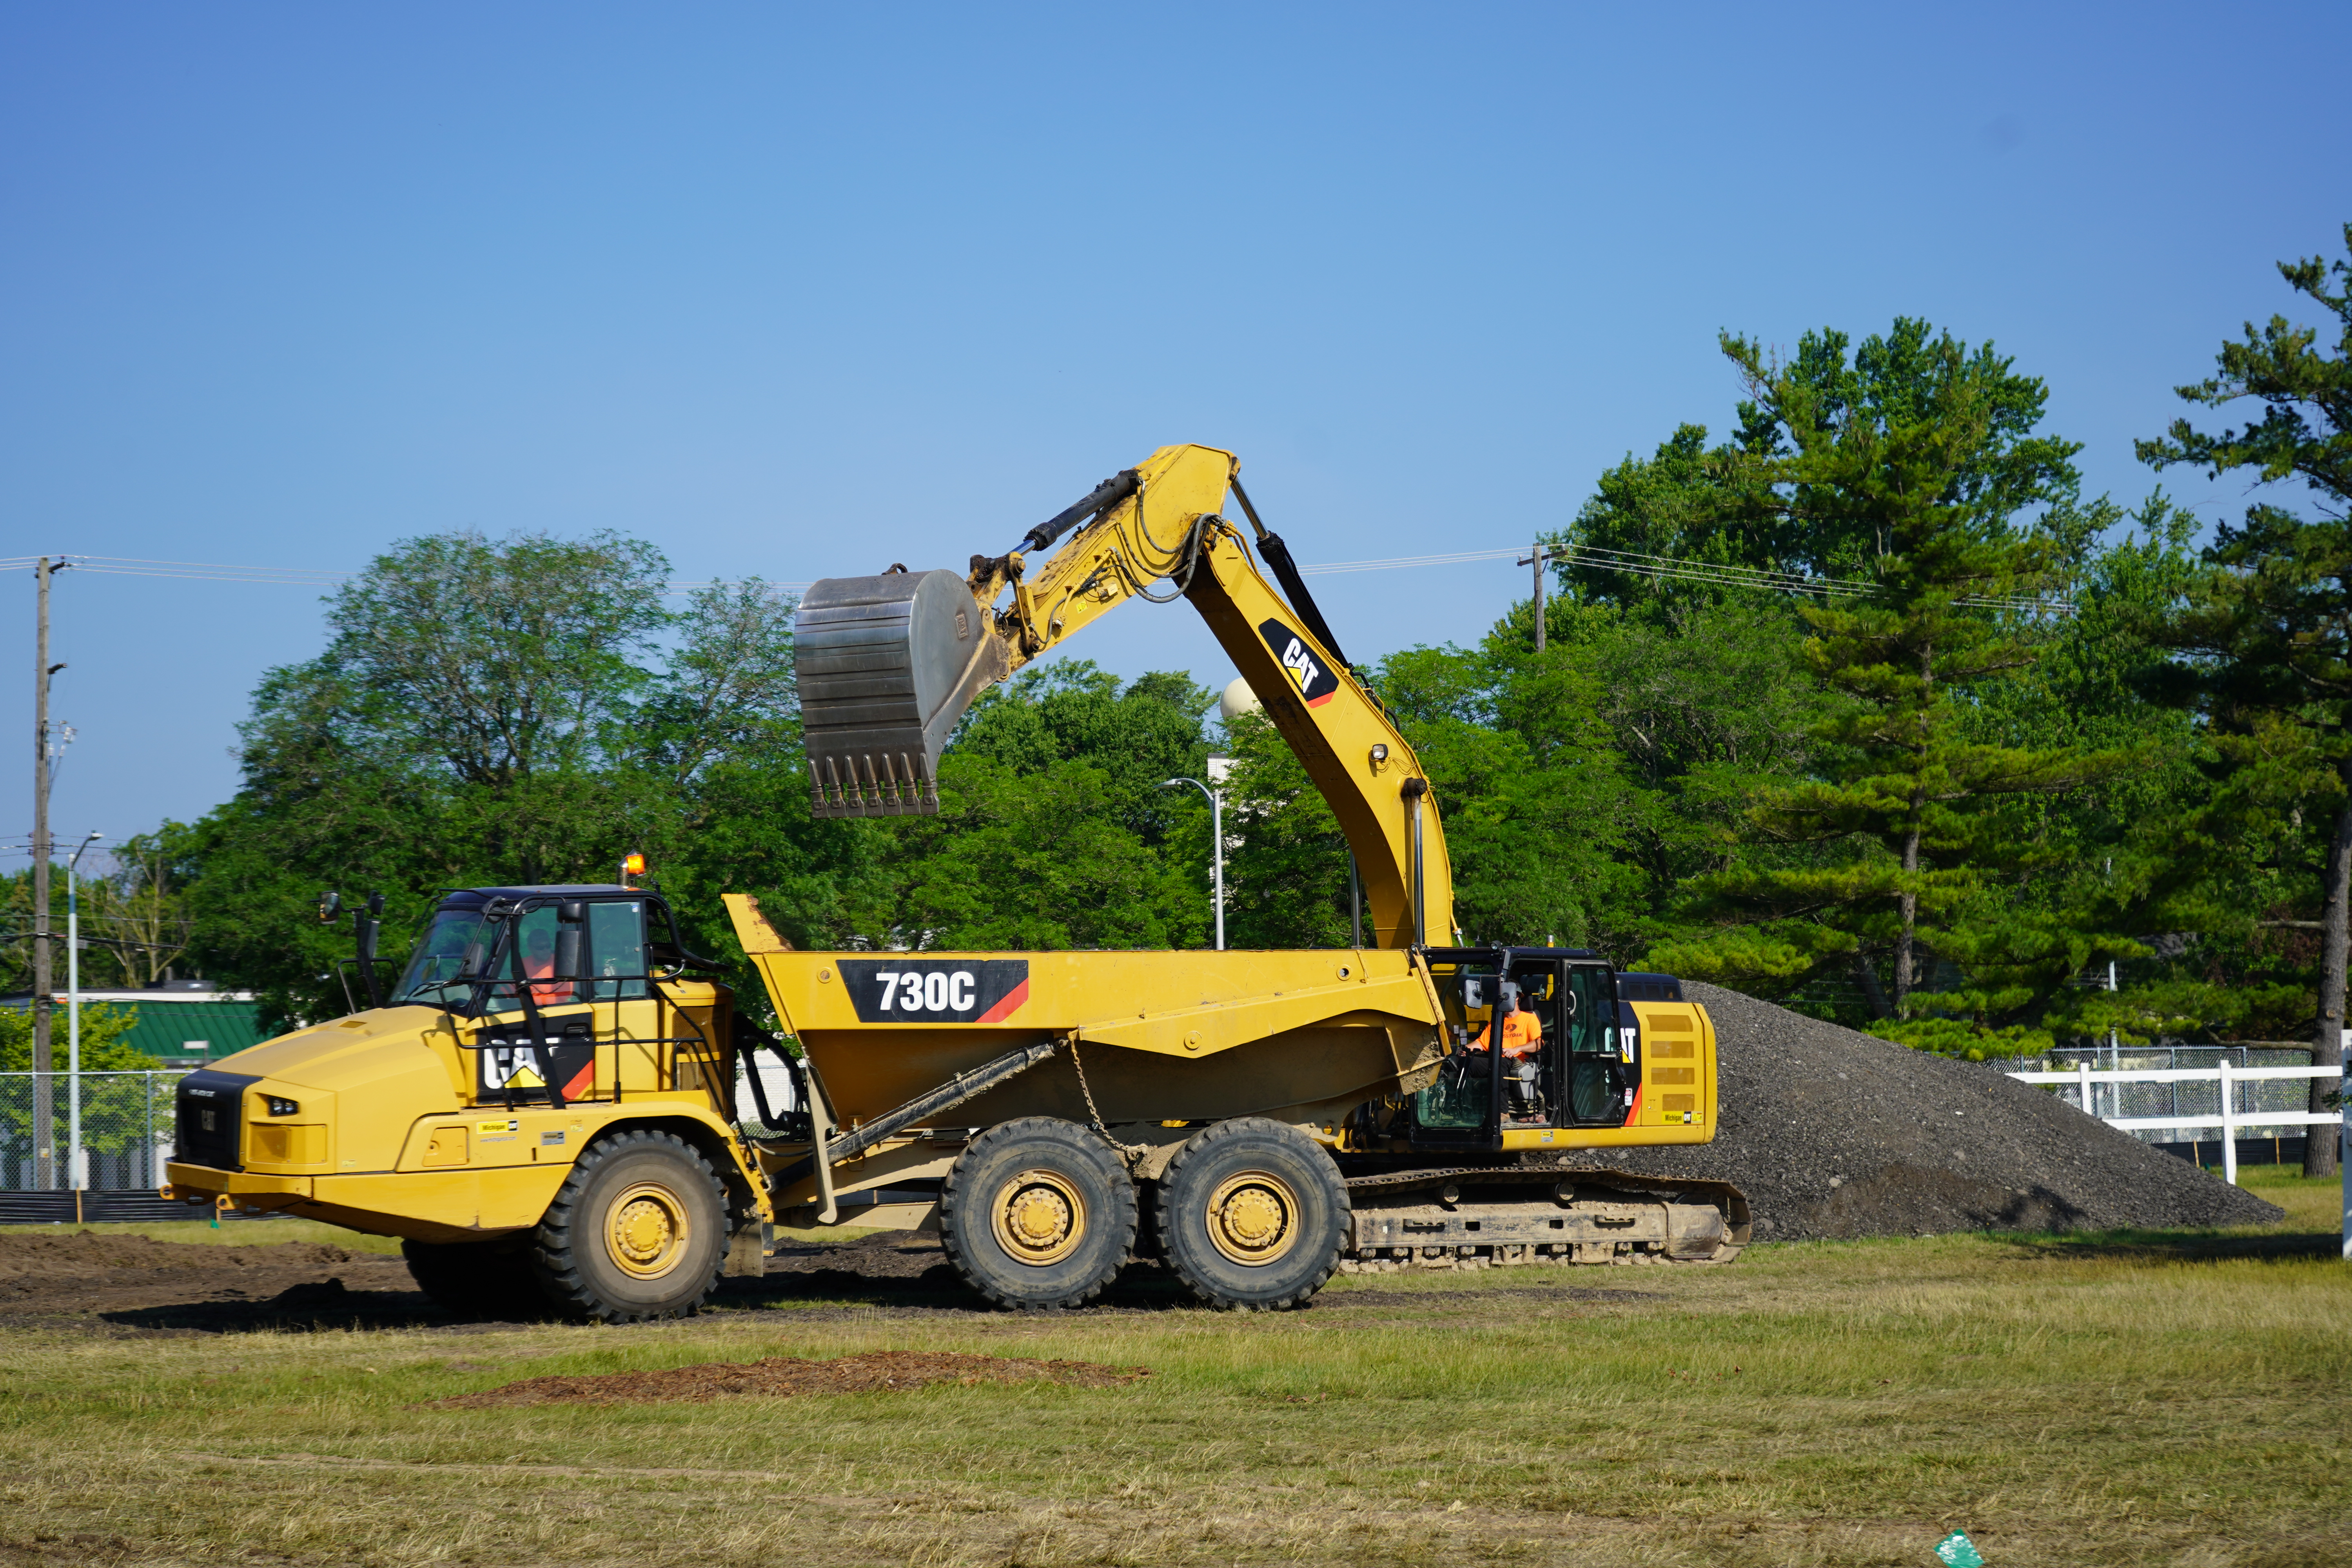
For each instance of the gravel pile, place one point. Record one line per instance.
(1831, 1133)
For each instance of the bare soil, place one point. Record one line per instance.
(875, 1371)
(48, 1273)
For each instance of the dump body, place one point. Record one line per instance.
(1174, 1036)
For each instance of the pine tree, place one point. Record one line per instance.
(1909, 467)
(2267, 637)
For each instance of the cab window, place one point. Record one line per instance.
(1596, 1080)
(616, 950)
(530, 958)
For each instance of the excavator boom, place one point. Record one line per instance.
(888, 664)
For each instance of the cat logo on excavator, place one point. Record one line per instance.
(1316, 684)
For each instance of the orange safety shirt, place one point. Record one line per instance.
(1522, 1035)
(543, 993)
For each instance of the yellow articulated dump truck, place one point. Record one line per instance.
(543, 1106)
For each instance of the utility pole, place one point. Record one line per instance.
(1538, 557)
(45, 1110)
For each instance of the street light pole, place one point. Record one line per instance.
(76, 1171)
(45, 1104)
(1217, 836)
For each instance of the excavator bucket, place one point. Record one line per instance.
(886, 666)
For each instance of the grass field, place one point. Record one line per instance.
(2119, 1399)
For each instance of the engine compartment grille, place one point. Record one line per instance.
(210, 1116)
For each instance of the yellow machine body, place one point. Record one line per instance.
(384, 1122)
(393, 1134)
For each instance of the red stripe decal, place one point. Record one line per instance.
(1318, 702)
(573, 1091)
(1006, 1008)
(1633, 1113)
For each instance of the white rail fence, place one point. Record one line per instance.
(2230, 1114)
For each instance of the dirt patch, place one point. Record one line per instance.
(45, 1273)
(889, 1260)
(1832, 1134)
(895, 1371)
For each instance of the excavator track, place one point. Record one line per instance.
(1484, 1217)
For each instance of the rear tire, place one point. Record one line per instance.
(478, 1279)
(1037, 1213)
(637, 1231)
(1253, 1214)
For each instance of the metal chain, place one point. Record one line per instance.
(1130, 1153)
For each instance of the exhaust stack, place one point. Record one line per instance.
(885, 666)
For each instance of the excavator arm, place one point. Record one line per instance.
(887, 664)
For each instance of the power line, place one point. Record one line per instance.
(1675, 567)
(1631, 562)
(286, 576)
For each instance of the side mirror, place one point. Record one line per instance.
(1473, 991)
(570, 923)
(331, 904)
(477, 953)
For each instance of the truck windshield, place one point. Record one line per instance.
(439, 956)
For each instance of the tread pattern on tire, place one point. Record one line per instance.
(1313, 1268)
(553, 1245)
(962, 1219)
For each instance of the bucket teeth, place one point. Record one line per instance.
(885, 666)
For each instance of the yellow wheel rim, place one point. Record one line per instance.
(649, 1230)
(1254, 1218)
(1039, 1218)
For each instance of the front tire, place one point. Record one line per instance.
(1253, 1214)
(637, 1231)
(1037, 1213)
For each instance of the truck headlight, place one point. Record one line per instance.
(282, 1107)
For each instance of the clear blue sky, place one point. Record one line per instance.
(801, 292)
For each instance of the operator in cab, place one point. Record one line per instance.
(1522, 1032)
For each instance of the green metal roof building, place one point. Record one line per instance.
(179, 1025)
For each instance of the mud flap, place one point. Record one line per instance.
(747, 1251)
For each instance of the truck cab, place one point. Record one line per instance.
(534, 1032)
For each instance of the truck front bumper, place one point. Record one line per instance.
(201, 1185)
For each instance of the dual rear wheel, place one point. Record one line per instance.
(1040, 1213)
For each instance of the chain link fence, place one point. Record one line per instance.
(126, 1129)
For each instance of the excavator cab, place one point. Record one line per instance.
(1532, 1043)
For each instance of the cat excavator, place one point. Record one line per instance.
(543, 1102)
(1256, 1120)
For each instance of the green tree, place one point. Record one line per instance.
(2266, 638)
(509, 712)
(1054, 829)
(1908, 465)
